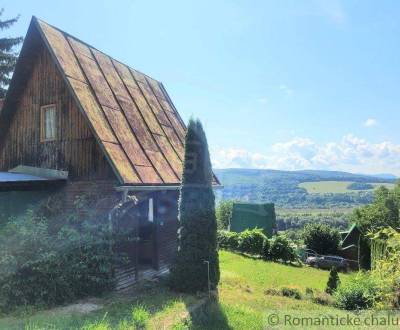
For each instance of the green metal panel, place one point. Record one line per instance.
(250, 216)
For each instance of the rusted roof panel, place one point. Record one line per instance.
(151, 99)
(130, 113)
(62, 51)
(155, 86)
(121, 162)
(148, 174)
(92, 111)
(170, 154)
(176, 143)
(163, 167)
(97, 81)
(125, 137)
(138, 126)
(80, 48)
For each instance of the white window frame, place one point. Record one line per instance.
(43, 124)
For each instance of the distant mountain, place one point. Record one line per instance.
(386, 176)
(282, 187)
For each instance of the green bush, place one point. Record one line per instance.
(333, 281)
(223, 213)
(281, 248)
(49, 261)
(266, 250)
(197, 233)
(360, 292)
(140, 316)
(252, 241)
(321, 238)
(291, 293)
(228, 240)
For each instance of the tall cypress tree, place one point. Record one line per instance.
(197, 235)
(8, 57)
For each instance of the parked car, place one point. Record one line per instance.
(327, 262)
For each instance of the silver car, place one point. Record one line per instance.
(328, 262)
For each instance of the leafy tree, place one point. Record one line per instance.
(8, 57)
(281, 248)
(321, 238)
(384, 211)
(197, 235)
(224, 213)
(333, 281)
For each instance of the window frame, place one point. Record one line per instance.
(43, 109)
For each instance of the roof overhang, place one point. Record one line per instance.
(154, 188)
(31, 178)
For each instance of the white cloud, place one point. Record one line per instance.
(262, 100)
(349, 154)
(286, 89)
(332, 10)
(370, 122)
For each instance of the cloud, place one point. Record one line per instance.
(351, 153)
(262, 100)
(370, 122)
(332, 10)
(286, 89)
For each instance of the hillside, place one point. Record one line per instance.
(299, 189)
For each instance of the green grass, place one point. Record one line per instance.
(334, 187)
(243, 302)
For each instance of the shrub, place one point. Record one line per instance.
(140, 316)
(281, 248)
(266, 250)
(333, 281)
(252, 241)
(321, 238)
(291, 293)
(47, 262)
(223, 213)
(322, 298)
(197, 233)
(360, 292)
(228, 240)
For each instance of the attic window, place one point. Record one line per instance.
(48, 123)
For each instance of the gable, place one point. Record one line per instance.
(75, 150)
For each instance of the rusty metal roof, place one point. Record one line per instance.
(130, 113)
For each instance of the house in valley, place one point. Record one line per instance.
(74, 119)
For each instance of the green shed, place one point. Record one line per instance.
(250, 216)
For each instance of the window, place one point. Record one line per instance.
(48, 123)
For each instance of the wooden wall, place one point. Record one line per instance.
(75, 149)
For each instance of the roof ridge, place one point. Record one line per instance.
(90, 46)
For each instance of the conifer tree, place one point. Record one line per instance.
(8, 57)
(197, 235)
(333, 281)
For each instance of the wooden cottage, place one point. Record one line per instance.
(75, 119)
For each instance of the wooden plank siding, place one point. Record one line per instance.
(75, 149)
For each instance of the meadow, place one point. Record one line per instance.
(334, 187)
(244, 302)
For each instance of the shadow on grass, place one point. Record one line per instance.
(209, 316)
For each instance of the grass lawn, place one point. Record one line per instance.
(243, 303)
(334, 187)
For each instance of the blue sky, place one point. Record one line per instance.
(278, 84)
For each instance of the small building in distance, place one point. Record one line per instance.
(252, 215)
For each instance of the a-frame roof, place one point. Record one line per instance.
(130, 114)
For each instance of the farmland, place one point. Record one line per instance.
(299, 189)
(335, 187)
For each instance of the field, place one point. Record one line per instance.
(334, 187)
(243, 303)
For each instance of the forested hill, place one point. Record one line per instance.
(299, 189)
